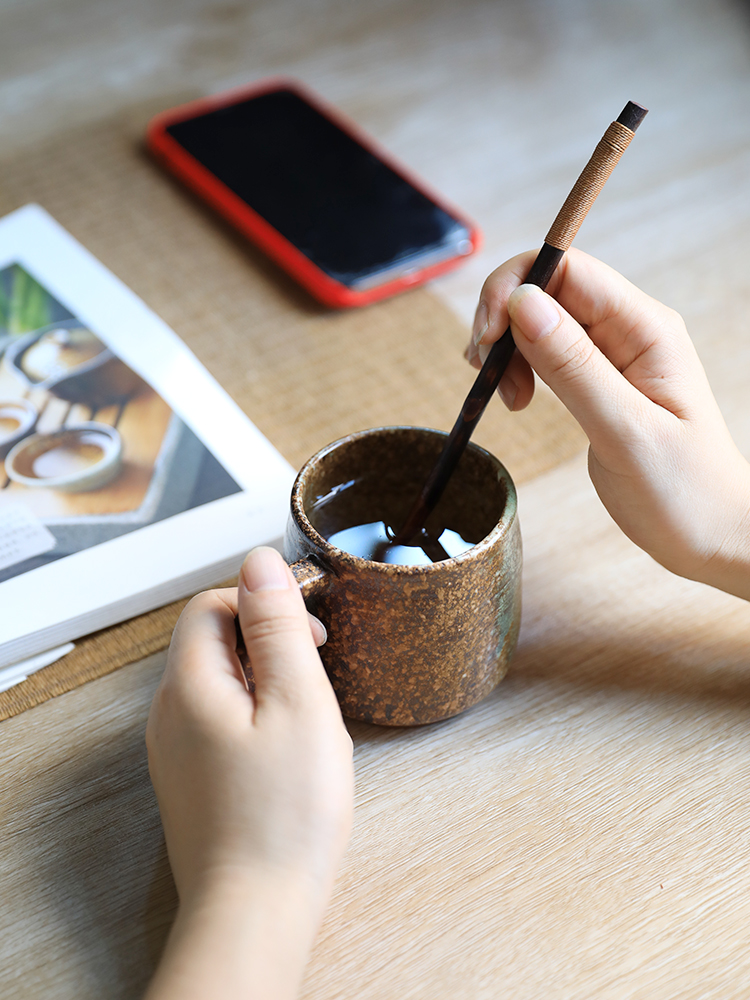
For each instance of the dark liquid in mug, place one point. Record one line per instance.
(373, 541)
(371, 537)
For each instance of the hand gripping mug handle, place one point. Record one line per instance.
(312, 580)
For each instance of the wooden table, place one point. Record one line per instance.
(584, 832)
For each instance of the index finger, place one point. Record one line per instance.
(622, 320)
(206, 628)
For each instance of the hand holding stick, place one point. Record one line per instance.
(604, 159)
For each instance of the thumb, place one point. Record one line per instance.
(563, 355)
(275, 626)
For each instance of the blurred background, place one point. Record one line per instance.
(497, 103)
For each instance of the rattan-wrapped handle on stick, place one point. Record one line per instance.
(604, 159)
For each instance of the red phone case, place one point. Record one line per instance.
(204, 183)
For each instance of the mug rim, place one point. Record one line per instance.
(501, 528)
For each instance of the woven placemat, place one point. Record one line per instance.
(304, 375)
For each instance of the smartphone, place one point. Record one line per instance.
(314, 192)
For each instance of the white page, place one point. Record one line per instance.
(50, 604)
(16, 673)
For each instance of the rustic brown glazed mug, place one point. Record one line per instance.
(408, 645)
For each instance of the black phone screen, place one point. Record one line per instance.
(351, 214)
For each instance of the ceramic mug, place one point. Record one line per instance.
(408, 645)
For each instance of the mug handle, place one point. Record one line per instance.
(311, 577)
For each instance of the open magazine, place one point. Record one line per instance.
(128, 477)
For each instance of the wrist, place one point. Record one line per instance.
(240, 926)
(728, 567)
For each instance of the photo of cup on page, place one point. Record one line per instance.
(91, 450)
(128, 477)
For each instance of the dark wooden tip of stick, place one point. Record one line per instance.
(632, 115)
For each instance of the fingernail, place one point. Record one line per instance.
(507, 391)
(533, 312)
(481, 323)
(323, 630)
(264, 569)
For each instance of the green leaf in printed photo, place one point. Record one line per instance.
(24, 305)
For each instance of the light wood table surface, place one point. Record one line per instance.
(585, 832)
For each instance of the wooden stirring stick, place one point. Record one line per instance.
(604, 159)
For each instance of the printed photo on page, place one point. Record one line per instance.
(90, 450)
(109, 429)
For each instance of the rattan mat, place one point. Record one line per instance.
(303, 374)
